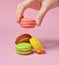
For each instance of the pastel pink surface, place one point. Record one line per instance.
(48, 34)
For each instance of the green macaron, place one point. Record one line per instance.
(23, 48)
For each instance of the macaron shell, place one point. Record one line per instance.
(23, 48)
(23, 35)
(27, 23)
(23, 53)
(23, 38)
(27, 20)
(27, 26)
(36, 45)
(39, 43)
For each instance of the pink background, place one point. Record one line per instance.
(48, 34)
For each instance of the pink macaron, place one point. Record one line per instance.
(27, 23)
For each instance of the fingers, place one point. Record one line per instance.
(45, 7)
(21, 8)
(19, 12)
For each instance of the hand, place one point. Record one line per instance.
(42, 5)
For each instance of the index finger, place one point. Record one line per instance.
(21, 8)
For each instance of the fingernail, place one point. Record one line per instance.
(18, 21)
(38, 22)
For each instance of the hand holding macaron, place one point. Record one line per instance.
(42, 5)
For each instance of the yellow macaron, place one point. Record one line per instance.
(36, 44)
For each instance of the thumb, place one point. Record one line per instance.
(44, 9)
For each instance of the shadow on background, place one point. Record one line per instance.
(49, 43)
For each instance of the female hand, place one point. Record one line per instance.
(42, 5)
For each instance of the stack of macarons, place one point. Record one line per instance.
(25, 43)
(27, 23)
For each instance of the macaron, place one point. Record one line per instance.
(23, 38)
(36, 44)
(23, 48)
(27, 23)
